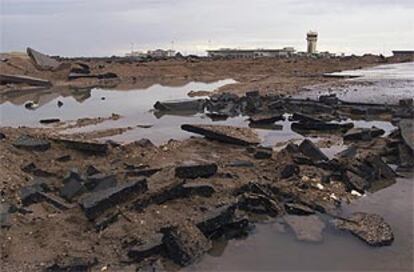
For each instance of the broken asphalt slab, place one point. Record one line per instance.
(226, 134)
(185, 243)
(84, 146)
(309, 149)
(28, 142)
(407, 132)
(195, 170)
(96, 203)
(371, 228)
(187, 105)
(42, 61)
(362, 134)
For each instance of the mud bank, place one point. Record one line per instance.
(269, 75)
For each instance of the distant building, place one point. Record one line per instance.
(135, 54)
(403, 53)
(312, 38)
(251, 53)
(160, 53)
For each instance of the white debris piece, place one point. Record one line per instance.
(355, 193)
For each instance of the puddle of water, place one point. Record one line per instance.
(133, 104)
(269, 249)
(381, 84)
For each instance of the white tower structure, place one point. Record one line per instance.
(312, 38)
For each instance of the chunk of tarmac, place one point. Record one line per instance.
(407, 132)
(185, 243)
(42, 61)
(96, 203)
(186, 105)
(363, 134)
(370, 228)
(84, 146)
(226, 134)
(309, 149)
(31, 143)
(194, 170)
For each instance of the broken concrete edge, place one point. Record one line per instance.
(214, 135)
(84, 146)
(94, 204)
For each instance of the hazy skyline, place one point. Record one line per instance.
(104, 27)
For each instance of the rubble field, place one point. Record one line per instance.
(84, 202)
(71, 203)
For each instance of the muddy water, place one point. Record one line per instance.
(272, 247)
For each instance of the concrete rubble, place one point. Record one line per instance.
(226, 134)
(153, 204)
(42, 61)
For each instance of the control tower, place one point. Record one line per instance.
(312, 38)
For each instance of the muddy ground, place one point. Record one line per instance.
(283, 76)
(74, 203)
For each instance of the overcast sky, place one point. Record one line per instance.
(108, 27)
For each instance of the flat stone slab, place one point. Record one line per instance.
(226, 134)
(363, 134)
(85, 146)
(96, 203)
(306, 228)
(186, 105)
(265, 118)
(31, 143)
(407, 132)
(309, 149)
(42, 61)
(194, 170)
(20, 79)
(185, 243)
(321, 126)
(371, 228)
